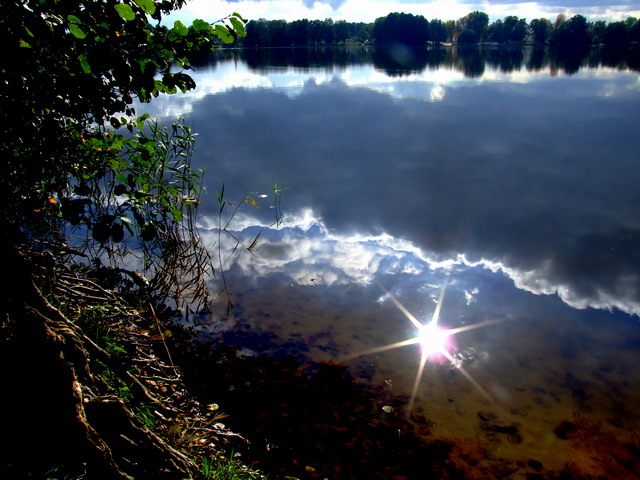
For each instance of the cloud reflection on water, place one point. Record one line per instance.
(307, 253)
(520, 172)
(516, 178)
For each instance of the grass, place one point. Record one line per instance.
(222, 468)
(216, 467)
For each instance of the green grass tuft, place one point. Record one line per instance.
(222, 468)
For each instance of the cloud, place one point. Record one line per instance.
(442, 177)
(356, 11)
(566, 4)
(306, 252)
(335, 4)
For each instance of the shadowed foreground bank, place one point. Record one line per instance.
(89, 390)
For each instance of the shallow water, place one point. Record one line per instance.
(541, 364)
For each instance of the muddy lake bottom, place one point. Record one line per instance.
(529, 397)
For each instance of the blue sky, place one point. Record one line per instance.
(368, 11)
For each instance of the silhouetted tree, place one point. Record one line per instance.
(495, 31)
(512, 29)
(341, 31)
(634, 29)
(321, 32)
(571, 33)
(452, 29)
(597, 30)
(540, 29)
(467, 36)
(257, 33)
(412, 29)
(477, 22)
(519, 30)
(403, 28)
(278, 33)
(437, 31)
(616, 32)
(299, 32)
(363, 35)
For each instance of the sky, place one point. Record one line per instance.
(368, 11)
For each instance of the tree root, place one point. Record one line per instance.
(45, 404)
(143, 452)
(62, 415)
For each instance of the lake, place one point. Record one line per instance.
(493, 191)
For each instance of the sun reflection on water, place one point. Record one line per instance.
(436, 344)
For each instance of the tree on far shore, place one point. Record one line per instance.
(415, 30)
(404, 28)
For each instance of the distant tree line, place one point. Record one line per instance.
(412, 29)
(280, 33)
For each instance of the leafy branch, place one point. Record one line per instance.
(68, 170)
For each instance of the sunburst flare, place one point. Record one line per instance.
(435, 343)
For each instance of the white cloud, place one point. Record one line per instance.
(307, 253)
(335, 4)
(368, 11)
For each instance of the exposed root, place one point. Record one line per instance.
(86, 390)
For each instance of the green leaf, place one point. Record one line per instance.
(140, 121)
(223, 34)
(180, 28)
(220, 195)
(73, 23)
(24, 44)
(236, 14)
(199, 25)
(84, 63)
(148, 6)
(121, 177)
(238, 26)
(117, 142)
(125, 11)
(176, 214)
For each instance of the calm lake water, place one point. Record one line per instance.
(498, 191)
